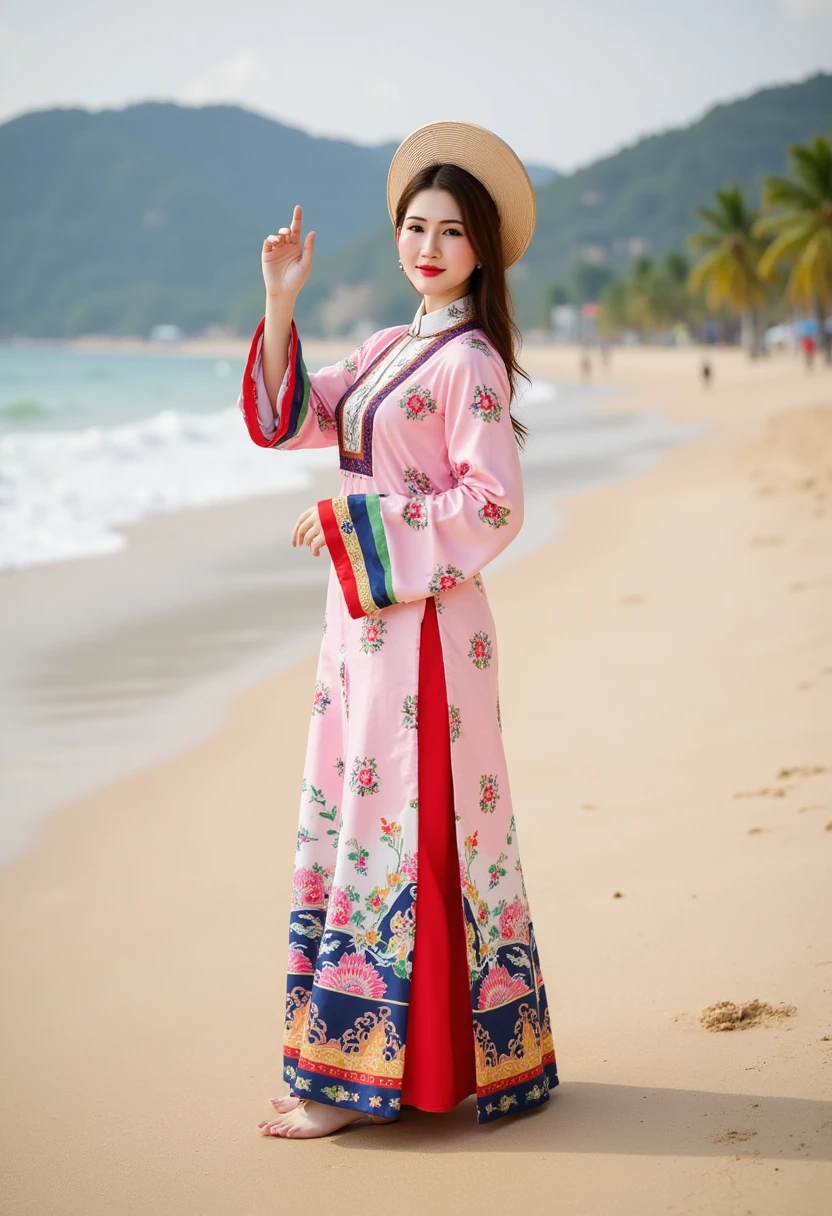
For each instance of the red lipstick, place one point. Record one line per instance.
(430, 271)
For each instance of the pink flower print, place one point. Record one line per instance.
(480, 652)
(416, 482)
(410, 866)
(486, 404)
(499, 987)
(364, 776)
(322, 700)
(415, 514)
(353, 975)
(298, 963)
(372, 634)
(308, 887)
(494, 515)
(445, 578)
(339, 910)
(489, 793)
(454, 722)
(417, 403)
(514, 923)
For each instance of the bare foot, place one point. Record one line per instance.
(283, 1105)
(308, 1120)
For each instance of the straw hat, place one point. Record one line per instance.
(487, 158)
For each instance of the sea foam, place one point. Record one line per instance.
(65, 494)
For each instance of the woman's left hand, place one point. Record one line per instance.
(308, 531)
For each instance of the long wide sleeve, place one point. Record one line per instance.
(306, 400)
(391, 548)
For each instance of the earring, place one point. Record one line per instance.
(479, 265)
(400, 265)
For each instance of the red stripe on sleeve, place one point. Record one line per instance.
(340, 557)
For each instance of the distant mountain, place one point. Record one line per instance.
(119, 220)
(116, 221)
(638, 200)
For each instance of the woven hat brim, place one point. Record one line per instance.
(485, 156)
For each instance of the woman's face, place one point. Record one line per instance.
(434, 248)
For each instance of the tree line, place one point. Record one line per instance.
(745, 267)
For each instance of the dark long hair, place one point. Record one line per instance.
(492, 297)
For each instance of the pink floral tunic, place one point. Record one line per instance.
(431, 492)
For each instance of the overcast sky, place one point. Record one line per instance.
(562, 82)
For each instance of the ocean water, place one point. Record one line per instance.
(90, 442)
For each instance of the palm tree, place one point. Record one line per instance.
(802, 230)
(730, 270)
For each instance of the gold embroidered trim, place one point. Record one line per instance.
(341, 511)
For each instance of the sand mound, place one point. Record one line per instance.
(725, 1015)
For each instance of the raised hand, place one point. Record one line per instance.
(287, 262)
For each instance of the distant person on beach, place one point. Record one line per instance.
(586, 366)
(808, 344)
(706, 373)
(380, 989)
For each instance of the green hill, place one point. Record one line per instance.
(119, 220)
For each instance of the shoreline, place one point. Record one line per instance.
(664, 659)
(200, 603)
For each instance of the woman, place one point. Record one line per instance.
(405, 791)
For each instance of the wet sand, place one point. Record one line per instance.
(666, 672)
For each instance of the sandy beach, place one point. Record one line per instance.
(666, 692)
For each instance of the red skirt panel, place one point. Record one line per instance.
(439, 1069)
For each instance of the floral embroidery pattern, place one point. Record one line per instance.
(495, 872)
(304, 837)
(494, 515)
(454, 722)
(445, 578)
(339, 909)
(353, 974)
(364, 777)
(415, 514)
(372, 635)
(417, 403)
(410, 712)
(480, 652)
(298, 962)
(308, 886)
(486, 404)
(338, 1094)
(322, 700)
(478, 583)
(499, 987)
(478, 344)
(325, 421)
(358, 856)
(489, 793)
(350, 365)
(416, 482)
(339, 766)
(460, 312)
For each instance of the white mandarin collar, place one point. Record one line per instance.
(426, 324)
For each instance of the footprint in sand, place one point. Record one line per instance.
(802, 770)
(725, 1015)
(773, 791)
